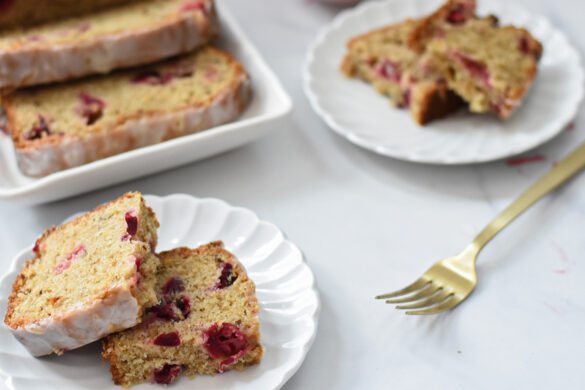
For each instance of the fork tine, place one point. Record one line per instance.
(448, 304)
(424, 292)
(432, 300)
(418, 284)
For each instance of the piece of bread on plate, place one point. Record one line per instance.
(89, 277)
(206, 321)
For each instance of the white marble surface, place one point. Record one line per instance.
(368, 224)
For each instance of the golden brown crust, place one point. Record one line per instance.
(380, 30)
(110, 353)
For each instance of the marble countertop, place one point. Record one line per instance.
(368, 224)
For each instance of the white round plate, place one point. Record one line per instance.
(356, 111)
(285, 287)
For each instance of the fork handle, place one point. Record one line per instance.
(563, 171)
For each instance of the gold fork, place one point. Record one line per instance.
(449, 281)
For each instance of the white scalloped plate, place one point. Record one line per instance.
(285, 286)
(354, 110)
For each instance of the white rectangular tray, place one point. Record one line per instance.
(269, 105)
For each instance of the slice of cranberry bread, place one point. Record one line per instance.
(66, 125)
(88, 278)
(19, 13)
(206, 321)
(123, 36)
(383, 58)
(490, 67)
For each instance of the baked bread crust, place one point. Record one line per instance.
(432, 101)
(44, 156)
(113, 309)
(39, 64)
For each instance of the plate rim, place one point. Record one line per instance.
(348, 134)
(19, 259)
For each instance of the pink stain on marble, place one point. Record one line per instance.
(515, 161)
(565, 260)
(553, 308)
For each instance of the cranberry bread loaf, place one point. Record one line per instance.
(21, 13)
(384, 59)
(206, 321)
(89, 277)
(66, 125)
(491, 67)
(123, 36)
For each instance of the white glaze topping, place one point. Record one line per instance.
(37, 65)
(81, 324)
(143, 131)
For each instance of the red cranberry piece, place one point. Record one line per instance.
(173, 285)
(171, 339)
(227, 277)
(224, 341)
(211, 73)
(389, 70)
(184, 304)
(78, 251)
(476, 68)
(233, 358)
(90, 107)
(461, 12)
(165, 312)
(167, 374)
(39, 129)
(152, 77)
(193, 6)
(456, 16)
(131, 218)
